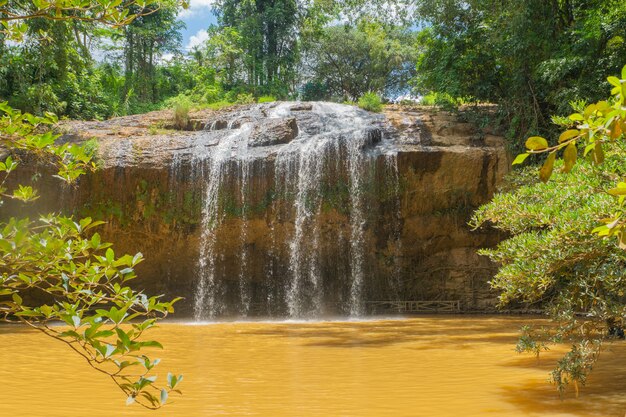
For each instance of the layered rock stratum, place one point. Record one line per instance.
(403, 193)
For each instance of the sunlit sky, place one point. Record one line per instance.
(198, 17)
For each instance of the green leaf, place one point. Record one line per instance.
(569, 157)
(546, 170)
(624, 73)
(617, 191)
(17, 299)
(163, 396)
(520, 158)
(110, 255)
(568, 134)
(536, 143)
(121, 334)
(151, 343)
(598, 154)
(576, 117)
(95, 241)
(615, 81)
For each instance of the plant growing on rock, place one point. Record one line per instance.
(56, 269)
(558, 256)
(371, 102)
(182, 106)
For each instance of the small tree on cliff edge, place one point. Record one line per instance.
(559, 256)
(63, 260)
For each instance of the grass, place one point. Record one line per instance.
(371, 102)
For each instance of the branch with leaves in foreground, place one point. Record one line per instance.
(557, 256)
(57, 276)
(592, 129)
(115, 13)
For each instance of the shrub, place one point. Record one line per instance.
(181, 105)
(443, 100)
(266, 99)
(244, 98)
(557, 255)
(371, 102)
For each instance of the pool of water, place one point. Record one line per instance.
(427, 366)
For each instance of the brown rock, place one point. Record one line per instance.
(301, 107)
(273, 132)
(150, 192)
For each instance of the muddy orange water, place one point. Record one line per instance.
(430, 366)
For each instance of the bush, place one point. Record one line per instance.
(266, 99)
(443, 100)
(181, 105)
(557, 255)
(371, 102)
(244, 98)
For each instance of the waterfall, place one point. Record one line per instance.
(323, 162)
(207, 302)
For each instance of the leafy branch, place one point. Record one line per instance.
(57, 276)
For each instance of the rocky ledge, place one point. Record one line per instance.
(152, 191)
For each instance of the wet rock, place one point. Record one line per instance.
(302, 107)
(373, 136)
(150, 191)
(218, 124)
(273, 132)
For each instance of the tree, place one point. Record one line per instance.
(531, 58)
(56, 268)
(146, 39)
(558, 256)
(14, 14)
(270, 47)
(351, 61)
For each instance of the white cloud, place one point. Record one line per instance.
(196, 7)
(167, 57)
(198, 39)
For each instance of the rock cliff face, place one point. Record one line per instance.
(294, 208)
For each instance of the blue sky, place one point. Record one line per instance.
(198, 17)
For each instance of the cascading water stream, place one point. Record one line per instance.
(206, 302)
(334, 148)
(244, 284)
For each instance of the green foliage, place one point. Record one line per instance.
(57, 269)
(528, 342)
(182, 106)
(593, 128)
(51, 69)
(443, 100)
(531, 58)
(257, 43)
(553, 259)
(371, 102)
(558, 256)
(348, 62)
(14, 14)
(244, 98)
(314, 91)
(266, 99)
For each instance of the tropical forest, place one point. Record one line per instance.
(313, 208)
